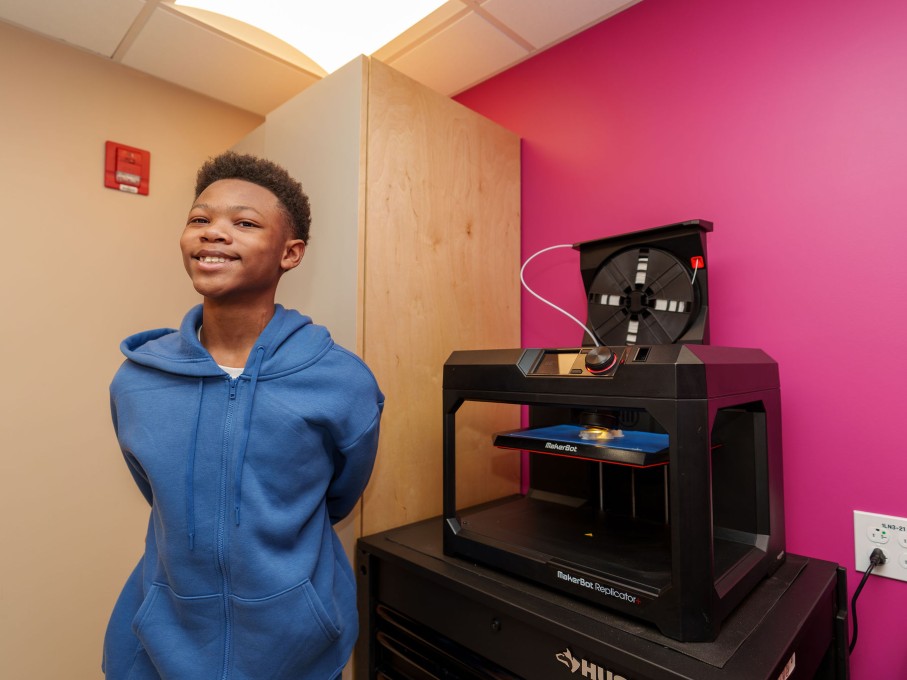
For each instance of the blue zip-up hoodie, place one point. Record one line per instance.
(243, 577)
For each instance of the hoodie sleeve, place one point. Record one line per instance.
(138, 474)
(353, 461)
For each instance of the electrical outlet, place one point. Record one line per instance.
(885, 532)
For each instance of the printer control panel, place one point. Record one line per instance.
(587, 361)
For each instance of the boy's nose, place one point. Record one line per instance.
(214, 233)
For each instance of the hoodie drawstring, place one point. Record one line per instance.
(237, 477)
(190, 470)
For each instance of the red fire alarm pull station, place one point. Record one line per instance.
(127, 168)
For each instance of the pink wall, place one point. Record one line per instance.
(785, 123)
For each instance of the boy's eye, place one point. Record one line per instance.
(246, 223)
(198, 220)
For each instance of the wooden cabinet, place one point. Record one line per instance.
(414, 253)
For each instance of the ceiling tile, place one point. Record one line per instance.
(421, 31)
(94, 25)
(177, 49)
(253, 36)
(462, 54)
(543, 23)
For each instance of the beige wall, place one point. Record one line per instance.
(81, 266)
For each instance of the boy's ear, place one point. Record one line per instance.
(292, 254)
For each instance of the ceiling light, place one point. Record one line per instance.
(330, 32)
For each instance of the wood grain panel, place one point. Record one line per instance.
(441, 273)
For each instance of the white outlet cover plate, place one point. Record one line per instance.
(871, 530)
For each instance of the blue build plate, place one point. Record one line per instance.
(640, 449)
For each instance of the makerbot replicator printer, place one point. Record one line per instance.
(654, 459)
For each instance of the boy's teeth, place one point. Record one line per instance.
(213, 259)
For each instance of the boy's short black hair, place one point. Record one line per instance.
(267, 174)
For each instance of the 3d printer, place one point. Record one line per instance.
(654, 461)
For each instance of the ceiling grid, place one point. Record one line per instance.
(459, 45)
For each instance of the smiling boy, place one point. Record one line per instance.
(250, 433)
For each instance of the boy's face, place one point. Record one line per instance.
(237, 243)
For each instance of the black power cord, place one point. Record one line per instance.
(876, 557)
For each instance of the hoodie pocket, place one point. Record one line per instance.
(183, 636)
(287, 635)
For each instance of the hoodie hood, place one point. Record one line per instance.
(180, 352)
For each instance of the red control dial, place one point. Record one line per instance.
(600, 359)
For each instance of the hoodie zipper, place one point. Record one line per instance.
(221, 526)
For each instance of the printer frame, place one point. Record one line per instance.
(720, 528)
